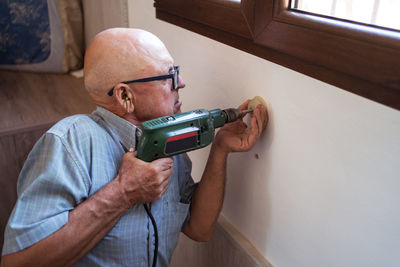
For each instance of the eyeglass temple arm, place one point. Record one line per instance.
(150, 79)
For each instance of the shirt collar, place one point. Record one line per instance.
(125, 131)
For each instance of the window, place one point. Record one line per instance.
(382, 13)
(356, 57)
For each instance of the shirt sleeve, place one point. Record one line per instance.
(50, 184)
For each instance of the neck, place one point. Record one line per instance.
(130, 117)
(116, 109)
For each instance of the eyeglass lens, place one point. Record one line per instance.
(175, 78)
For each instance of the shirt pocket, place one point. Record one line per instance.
(177, 217)
(178, 214)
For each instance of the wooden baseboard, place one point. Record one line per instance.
(227, 248)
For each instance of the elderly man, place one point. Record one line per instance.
(81, 190)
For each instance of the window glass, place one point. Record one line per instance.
(382, 13)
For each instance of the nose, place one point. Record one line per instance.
(181, 83)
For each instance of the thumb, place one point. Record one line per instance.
(131, 154)
(244, 105)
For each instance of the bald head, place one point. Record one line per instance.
(121, 54)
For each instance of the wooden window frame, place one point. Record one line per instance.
(356, 57)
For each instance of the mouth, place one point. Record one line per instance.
(177, 106)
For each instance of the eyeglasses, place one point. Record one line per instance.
(174, 75)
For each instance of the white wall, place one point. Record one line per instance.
(325, 188)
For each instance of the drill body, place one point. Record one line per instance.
(179, 133)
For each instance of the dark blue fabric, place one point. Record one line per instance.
(24, 31)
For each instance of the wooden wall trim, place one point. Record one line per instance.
(351, 56)
(227, 248)
(27, 128)
(239, 240)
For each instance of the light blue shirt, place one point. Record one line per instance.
(71, 162)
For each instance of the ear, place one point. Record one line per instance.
(125, 98)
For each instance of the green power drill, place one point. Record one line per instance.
(179, 133)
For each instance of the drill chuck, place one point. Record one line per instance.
(232, 114)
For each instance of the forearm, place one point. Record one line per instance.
(209, 195)
(87, 224)
(208, 198)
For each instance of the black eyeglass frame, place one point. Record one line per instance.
(156, 78)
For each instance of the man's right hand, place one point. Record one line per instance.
(138, 181)
(143, 182)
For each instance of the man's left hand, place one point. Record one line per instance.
(237, 136)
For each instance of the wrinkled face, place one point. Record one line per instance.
(120, 54)
(157, 98)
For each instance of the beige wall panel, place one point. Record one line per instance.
(103, 14)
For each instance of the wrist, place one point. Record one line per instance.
(118, 194)
(219, 150)
(219, 145)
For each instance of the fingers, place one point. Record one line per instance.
(244, 105)
(163, 169)
(261, 115)
(163, 163)
(142, 181)
(257, 125)
(158, 187)
(159, 164)
(258, 120)
(165, 177)
(254, 131)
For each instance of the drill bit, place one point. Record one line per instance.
(232, 114)
(244, 112)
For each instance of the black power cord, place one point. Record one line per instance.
(153, 222)
(155, 234)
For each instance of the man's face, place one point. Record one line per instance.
(157, 98)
